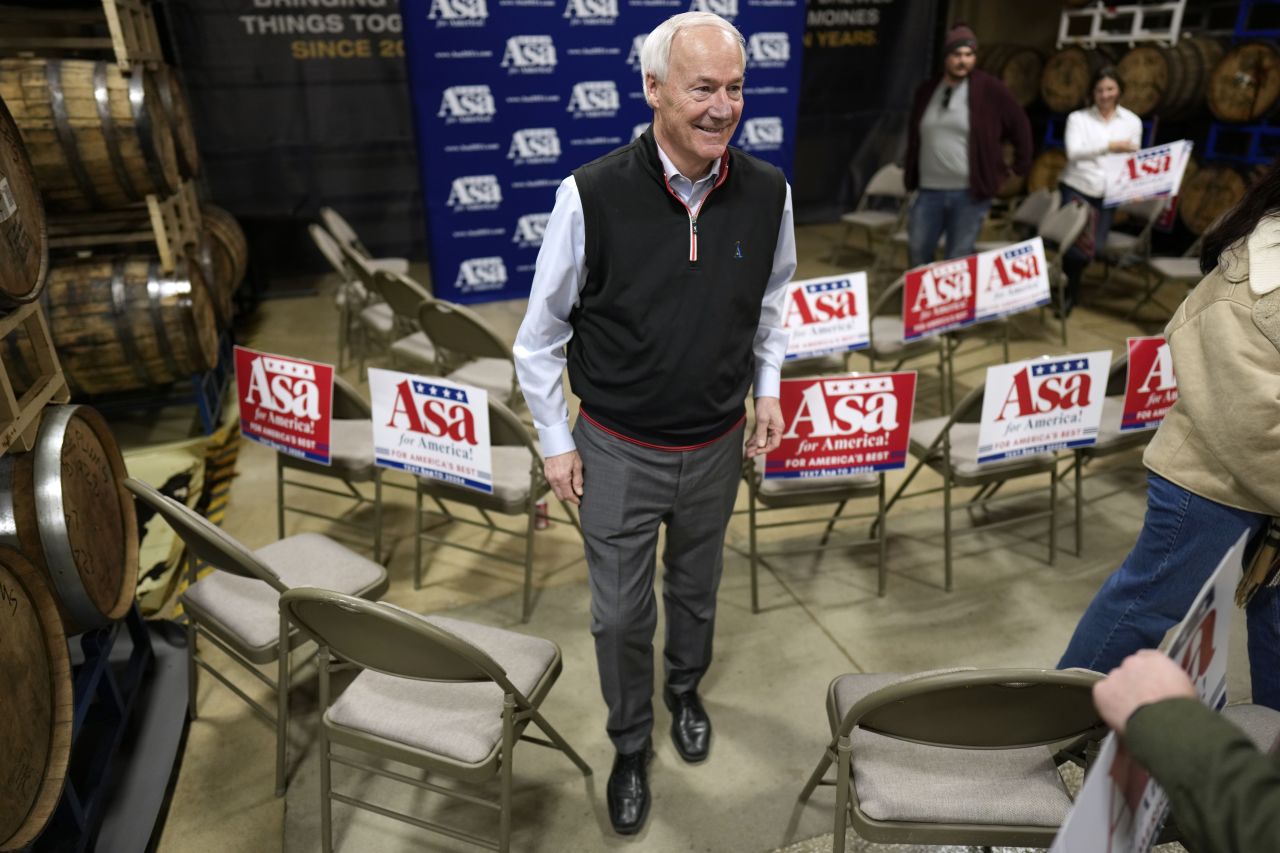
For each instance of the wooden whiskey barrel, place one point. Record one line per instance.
(1208, 194)
(24, 243)
(97, 139)
(1046, 169)
(228, 250)
(1018, 66)
(178, 112)
(1170, 82)
(65, 506)
(1245, 84)
(1064, 84)
(119, 324)
(35, 681)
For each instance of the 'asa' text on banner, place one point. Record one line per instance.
(285, 403)
(1150, 173)
(1150, 388)
(827, 315)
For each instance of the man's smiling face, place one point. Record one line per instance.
(697, 108)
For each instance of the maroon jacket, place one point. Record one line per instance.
(994, 117)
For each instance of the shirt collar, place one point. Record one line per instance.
(669, 168)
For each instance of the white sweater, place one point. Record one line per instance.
(1088, 137)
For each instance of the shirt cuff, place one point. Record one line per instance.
(768, 381)
(556, 439)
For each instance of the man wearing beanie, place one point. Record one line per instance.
(960, 120)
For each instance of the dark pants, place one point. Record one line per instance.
(950, 212)
(1074, 261)
(628, 492)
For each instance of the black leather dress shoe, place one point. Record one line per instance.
(628, 791)
(690, 725)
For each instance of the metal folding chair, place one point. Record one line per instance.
(1059, 231)
(459, 334)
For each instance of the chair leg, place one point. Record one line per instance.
(815, 778)
(193, 671)
(527, 606)
(573, 517)
(875, 525)
(377, 515)
(344, 322)
(279, 497)
(882, 570)
(831, 524)
(946, 526)
(282, 707)
(751, 534)
(1053, 513)
(1007, 323)
(417, 537)
(326, 782)
(560, 742)
(508, 742)
(1079, 506)
(843, 760)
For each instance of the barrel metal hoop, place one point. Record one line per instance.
(102, 97)
(8, 512)
(66, 136)
(120, 314)
(51, 519)
(154, 288)
(146, 136)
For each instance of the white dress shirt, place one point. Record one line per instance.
(561, 272)
(1088, 138)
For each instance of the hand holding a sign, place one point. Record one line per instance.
(1144, 678)
(564, 473)
(769, 425)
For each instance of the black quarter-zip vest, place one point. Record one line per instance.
(661, 351)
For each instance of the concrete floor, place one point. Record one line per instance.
(820, 618)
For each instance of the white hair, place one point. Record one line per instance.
(655, 54)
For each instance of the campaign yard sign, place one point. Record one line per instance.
(1150, 173)
(285, 403)
(1120, 809)
(431, 427)
(948, 295)
(1042, 405)
(827, 315)
(1150, 388)
(842, 425)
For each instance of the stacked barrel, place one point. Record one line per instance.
(108, 145)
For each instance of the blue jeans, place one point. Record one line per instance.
(1183, 537)
(936, 211)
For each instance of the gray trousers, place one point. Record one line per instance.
(628, 491)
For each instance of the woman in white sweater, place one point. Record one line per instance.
(1104, 130)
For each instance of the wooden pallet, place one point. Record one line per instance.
(122, 29)
(169, 224)
(20, 416)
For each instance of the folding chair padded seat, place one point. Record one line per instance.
(415, 349)
(378, 317)
(350, 450)
(897, 780)
(887, 342)
(511, 467)
(492, 374)
(1260, 723)
(1177, 269)
(398, 266)
(964, 454)
(461, 722)
(872, 219)
(245, 612)
(1111, 439)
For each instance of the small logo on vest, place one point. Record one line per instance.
(737, 249)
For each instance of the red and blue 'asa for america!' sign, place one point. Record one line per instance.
(285, 403)
(843, 425)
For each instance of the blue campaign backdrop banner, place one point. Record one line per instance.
(510, 96)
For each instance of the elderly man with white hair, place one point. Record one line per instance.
(660, 285)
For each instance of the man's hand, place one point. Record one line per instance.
(1146, 677)
(564, 473)
(768, 434)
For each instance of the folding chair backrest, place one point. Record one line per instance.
(506, 430)
(460, 330)
(402, 293)
(330, 249)
(1062, 228)
(1035, 208)
(387, 639)
(1146, 212)
(969, 410)
(889, 303)
(342, 230)
(1118, 374)
(983, 709)
(889, 181)
(203, 538)
(359, 264)
(348, 404)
